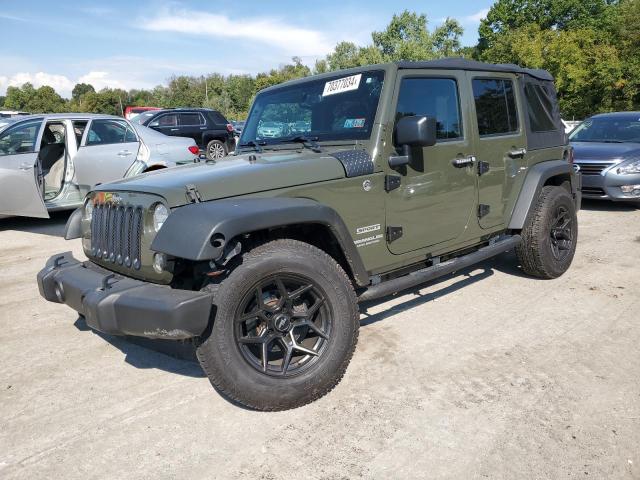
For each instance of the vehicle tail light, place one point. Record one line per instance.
(194, 149)
(229, 127)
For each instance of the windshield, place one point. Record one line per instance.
(608, 129)
(336, 108)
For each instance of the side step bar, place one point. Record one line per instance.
(430, 273)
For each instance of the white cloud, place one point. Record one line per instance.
(101, 80)
(288, 38)
(476, 17)
(61, 83)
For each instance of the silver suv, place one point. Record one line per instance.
(49, 162)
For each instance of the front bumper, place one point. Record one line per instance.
(120, 305)
(608, 186)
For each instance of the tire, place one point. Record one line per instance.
(550, 236)
(216, 150)
(233, 354)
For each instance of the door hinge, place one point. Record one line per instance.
(393, 233)
(193, 195)
(391, 182)
(483, 167)
(483, 210)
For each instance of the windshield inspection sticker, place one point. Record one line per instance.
(342, 85)
(354, 122)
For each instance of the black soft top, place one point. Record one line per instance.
(464, 64)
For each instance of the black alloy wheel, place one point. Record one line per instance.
(283, 325)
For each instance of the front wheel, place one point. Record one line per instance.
(216, 150)
(549, 238)
(285, 329)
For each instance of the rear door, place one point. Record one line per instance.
(192, 125)
(108, 149)
(501, 143)
(20, 179)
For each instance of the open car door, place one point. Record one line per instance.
(20, 189)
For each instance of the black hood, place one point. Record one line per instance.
(604, 151)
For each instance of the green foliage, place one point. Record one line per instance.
(591, 47)
(508, 15)
(2, 99)
(80, 89)
(44, 99)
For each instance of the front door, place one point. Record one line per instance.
(166, 123)
(20, 180)
(109, 148)
(501, 143)
(434, 197)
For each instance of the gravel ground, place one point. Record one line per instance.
(489, 374)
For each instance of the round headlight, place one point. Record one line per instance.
(160, 214)
(88, 209)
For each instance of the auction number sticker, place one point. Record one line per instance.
(342, 85)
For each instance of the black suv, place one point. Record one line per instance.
(211, 131)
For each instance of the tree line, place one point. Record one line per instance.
(592, 47)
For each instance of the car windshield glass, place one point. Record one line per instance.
(608, 130)
(336, 108)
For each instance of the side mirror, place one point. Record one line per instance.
(413, 131)
(154, 124)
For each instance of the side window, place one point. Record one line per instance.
(170, 120)
(539, 108)
(218, 118)
(20, 138)
(435, 97)
(495, 106)
(190, 119)
(105, 132)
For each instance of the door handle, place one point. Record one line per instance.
(463, 162)
(175, 129)
(517, 153)
(124, 153)
(25, 166)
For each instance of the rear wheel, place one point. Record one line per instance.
(285, 328)
(216, 150)
(550, 236)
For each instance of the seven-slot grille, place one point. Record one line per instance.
(116, 231)
(593, 168)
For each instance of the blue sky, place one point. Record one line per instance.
(140, 43)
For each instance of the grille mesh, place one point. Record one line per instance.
(116, 232)
(593, 168)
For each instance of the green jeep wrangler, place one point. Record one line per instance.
(345, 187)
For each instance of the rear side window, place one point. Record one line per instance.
(105, 132)
(434, 97)
(190, 119)
(20, 138)
(539, 107)
(218, 118)
(495, 106)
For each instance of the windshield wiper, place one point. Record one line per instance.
(307, 142)
(257, 146)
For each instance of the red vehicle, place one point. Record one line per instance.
(131, 112)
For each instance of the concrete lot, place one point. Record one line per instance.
(486, 375)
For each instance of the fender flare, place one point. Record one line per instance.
(189, 231)
(536, 177)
